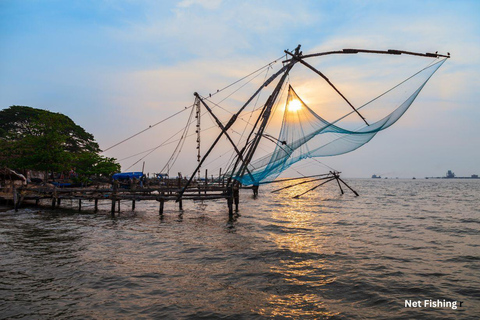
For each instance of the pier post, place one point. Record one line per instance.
(96, 206)
(112, 211)
(230, 201)
(15, 199)
(79, 204)
(133, 205)
(160, 210)
(54, 197)
(118, 205)
(230, 205)
(114, 196)
(206, 180)
(236, 198)
(180, 205)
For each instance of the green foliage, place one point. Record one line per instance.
(45, 141)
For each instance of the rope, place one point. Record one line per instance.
(188, 107)
(180, 144)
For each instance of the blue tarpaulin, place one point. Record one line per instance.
(127, 175)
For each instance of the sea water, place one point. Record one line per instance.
(384, 254)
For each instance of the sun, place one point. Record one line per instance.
(294, 105)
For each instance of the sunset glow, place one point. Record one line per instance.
(294, 105)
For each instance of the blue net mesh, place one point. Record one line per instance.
(305, 134)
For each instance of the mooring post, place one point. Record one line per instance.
(54, 201)
(180, 205)
(79, 204)
(96, 205)
(58, 202)
(133, 205)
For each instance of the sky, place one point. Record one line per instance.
(118, 67)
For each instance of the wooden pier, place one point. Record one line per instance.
(114, 195)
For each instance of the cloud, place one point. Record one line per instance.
(208, 4)
(132, 63)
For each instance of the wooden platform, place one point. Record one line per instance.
(115, 194)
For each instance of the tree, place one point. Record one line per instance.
(45, 141)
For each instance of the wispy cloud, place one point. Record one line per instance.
(133, 62)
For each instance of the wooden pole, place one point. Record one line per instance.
(206, 180)
(79, 204)
(236, 198)
(230, 200)
(162, 202)
(96, 206)
(228, 125)
(336, 178)
(328, 81)
(299, 183)
(220, 124)
(355, 192)
(255, 191)
(265, 115)
(114, 196)
(321, 184)
(54, 196)
(230, 205)
(15, 199)
(133, 205)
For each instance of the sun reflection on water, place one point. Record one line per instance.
(301, 235)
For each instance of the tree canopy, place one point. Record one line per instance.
(41, 140)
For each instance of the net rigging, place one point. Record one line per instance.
(304, 134)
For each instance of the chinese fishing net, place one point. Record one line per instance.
(305, 134)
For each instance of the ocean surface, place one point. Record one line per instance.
(322, 256)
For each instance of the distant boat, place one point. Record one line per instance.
(376, 177)
(414, 178)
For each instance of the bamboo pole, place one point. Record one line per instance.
(321, 184)
(297, 184)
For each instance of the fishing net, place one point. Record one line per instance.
(304, 134)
